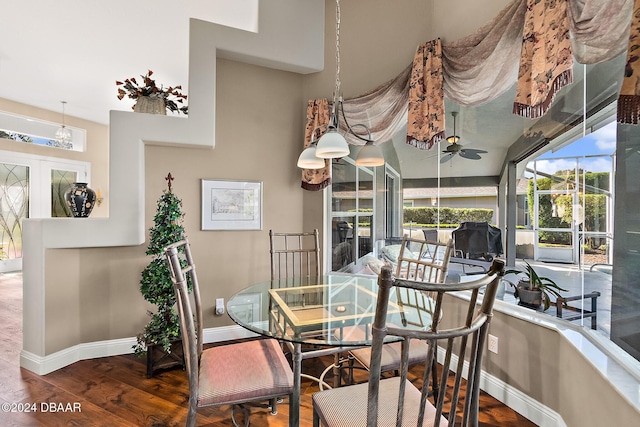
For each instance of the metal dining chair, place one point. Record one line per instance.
(423, 261)
(295, 261)
(232, 374)
(294, 256)
(458, 347)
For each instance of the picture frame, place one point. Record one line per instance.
(231, 205)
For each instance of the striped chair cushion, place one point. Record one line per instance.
(390, 352)
(242, 372)
(347, 406)
(391, 355)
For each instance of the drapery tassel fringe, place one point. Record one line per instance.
(536, 111)
(316, 187)
(628, 109)
(425, 145)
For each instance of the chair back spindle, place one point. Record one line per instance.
(457, 345)
(294, 255)
(455, 341)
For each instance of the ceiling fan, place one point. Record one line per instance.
(454, 148)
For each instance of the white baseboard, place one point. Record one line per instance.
(515, 399)
(44, 365)
(529, 408)
(510, 396)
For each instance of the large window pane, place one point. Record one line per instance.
(352, 213)
(344, 185)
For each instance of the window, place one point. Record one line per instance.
(392, 202)
(35, 131)
(351, 212)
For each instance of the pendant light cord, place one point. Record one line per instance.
(63, 102)
(336, 92)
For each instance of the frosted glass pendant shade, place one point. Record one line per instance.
(332, 145)
(370, 155)
(309, 160)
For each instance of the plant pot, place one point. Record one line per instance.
(151, 105)
(157, 358)
(80, 199)
(531, 298)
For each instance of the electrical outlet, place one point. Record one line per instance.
(219, 306)
(493, 344)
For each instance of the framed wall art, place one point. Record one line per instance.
(231, 205)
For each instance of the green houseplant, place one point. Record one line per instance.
(534, 290)
(156, 286)
(172, 96)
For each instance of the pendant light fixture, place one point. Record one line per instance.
(308, 158)
(369, 154)
(453, 138)
(332, 144)
(63, 135)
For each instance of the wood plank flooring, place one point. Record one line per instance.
(114, 391)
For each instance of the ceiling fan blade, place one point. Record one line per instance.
(446, 157)
(469, 154)
(475, 150)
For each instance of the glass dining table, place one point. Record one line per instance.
(333, 313)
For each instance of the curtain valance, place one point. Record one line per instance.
(532, 42)
(317, 117)
(629, 99)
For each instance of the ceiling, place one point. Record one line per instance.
(71, 48)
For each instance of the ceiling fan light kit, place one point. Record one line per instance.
(452, 139)
(454, 148)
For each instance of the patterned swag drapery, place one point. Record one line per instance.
(531, 42)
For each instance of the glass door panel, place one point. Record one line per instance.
(14, 207)
(61, 180)
(595, 215)
(342, 242)
(343, 194)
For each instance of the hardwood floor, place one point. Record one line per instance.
(114, 391)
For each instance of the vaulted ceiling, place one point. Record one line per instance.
(72, 48)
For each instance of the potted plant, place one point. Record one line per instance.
(160, 339)
(534, 290)
(148, 93)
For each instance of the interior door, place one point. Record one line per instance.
(31, 187)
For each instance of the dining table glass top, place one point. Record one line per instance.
(334, 310)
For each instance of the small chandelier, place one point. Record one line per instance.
(63, 135)
(332, 144)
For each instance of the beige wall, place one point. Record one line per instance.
(258, 134)
(534, 358)
(92, 294)
(260, 115)
(96, 152)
